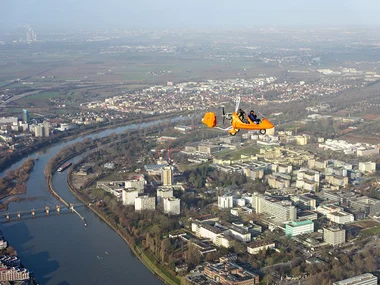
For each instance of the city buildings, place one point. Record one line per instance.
(367, 151)
(308, 179)
(230, 274)
(225, 201)
(335, 214)
(13, 273)
(137, 183)
(26, 116)
(295, 228)
(46, 129)
(364, 279)
(164, 192)
(334, 236)
(370, 206)
(129, 195)
(30, 36)
(145, 203)
(39, 131)
(282, 210)
(167, 176)
(304, 202)
(367, 167)
(172, 206)
(256, 247)
(11, 261)
(221, 233)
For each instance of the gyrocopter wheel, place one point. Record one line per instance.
(263, 131)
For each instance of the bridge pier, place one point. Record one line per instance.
(33, 213)
(58, 208)
(19, 215)
(47, 210)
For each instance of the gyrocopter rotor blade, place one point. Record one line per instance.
(223, 114)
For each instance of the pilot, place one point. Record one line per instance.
(241, 115)
(253, 117)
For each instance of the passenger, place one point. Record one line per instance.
(253, 117)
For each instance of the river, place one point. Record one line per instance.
(59, 249)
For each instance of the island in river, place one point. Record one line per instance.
(13, 183)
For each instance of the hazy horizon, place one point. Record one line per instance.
(96, 14)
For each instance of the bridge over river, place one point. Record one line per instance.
(42, 212)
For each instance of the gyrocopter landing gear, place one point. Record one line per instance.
(263, 131)
(233, 132)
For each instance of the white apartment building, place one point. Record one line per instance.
(136, 183)
(39, 131)
(225, 202)
(206, 231)
(129, 195)
(239, 202)
(308, 179)
(145, 203)
(236, 231)
(367, 167)
(282, 168)
(307, 185)
(241, 211)
(304, 202)
(308, 174)
(336, 214)
(367, 151)
(334, 236)
(248, 198)
(164, 192)
(278, 180)
(256, 247)
(282, 210)
(239, 234)
(336, 180)
(221, 235)
(172, 206)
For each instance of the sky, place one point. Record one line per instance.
(98, 14)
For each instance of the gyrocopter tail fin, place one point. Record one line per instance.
(209, 119)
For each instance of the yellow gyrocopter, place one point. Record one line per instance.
(237, 123)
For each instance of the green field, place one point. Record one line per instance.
(371, 231)
(236, 154)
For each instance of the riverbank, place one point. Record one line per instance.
(147, 259)
(10, 158)
(129, 240)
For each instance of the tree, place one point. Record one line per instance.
(193, 255)
(211, 256)
(165, 246)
